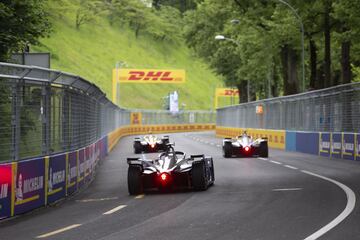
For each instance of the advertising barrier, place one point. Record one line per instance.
(357, 147)
(81, 168)
(29, 187)
(149, 75)
(72, 170)
(336, 142)
(324, 144)
(55, 167)
(307, 142)
(348, 146)
(5, 189)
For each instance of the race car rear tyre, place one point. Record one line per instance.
(135, 185)
(227, 150)
(137, 147)
(199, 178)
(264, 150)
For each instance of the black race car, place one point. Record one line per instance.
(150, 143)
(245, 146)
(170, 170)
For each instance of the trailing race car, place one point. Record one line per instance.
(245, 146)
(170, 170)
(150, 143)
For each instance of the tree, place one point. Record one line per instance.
(22, 22)
(87, 12)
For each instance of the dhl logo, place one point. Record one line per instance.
(230, 92)
(149, 76)
(227, 92)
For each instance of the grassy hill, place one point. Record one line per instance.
(93, 50)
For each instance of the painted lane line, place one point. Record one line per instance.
(97, 199)
(114, 210)
(59, 231)
(275, 162)
(264, 159)
(286, 189)
(212, 144)
(140, 196)
(291, 167)
(351, 200)
(218, 145)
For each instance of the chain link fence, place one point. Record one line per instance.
(335, 109)
(181, 117)
(44, 112)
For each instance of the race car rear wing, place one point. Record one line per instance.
(134, 161)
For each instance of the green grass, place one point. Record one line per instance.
(92, 52)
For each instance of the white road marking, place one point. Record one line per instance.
(218, 145)
(264, 159)
(140, 196)
(212, 144)
(114, 210)
(351, 200)
(59, 231)
(286, 189)
(275, 162)
(291, 167)
(96, 199)
(206, 142)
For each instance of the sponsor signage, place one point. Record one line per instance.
(174, 102)
(81, 167)
(149, 76)
(5, 190)
(225, 92)
(56, 177)
(135, 118)
(29, 187)
(336, 148)
(357, 147)
(71, 173)
(348, 146)
(324, 144)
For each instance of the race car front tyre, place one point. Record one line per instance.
(263, 150)
(135, 185)
(227, 150)
(199, 178)
(137, 147)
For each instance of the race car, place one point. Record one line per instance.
(171, 170)
(245, 146)
(150, 143)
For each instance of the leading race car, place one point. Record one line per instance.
(170, 170)
(150, 143)
(245, 146)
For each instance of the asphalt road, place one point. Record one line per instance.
(253, 198)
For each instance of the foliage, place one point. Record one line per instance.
(22, 22)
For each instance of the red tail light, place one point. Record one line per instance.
(152, 145)
(163, 177)
(247, 149)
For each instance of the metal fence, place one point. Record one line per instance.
(44, 111)
(181, 117)
(335, 109)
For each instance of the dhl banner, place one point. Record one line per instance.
(225, 92)
(135, 118)
(148, 76)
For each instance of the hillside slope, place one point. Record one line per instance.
(93, 50)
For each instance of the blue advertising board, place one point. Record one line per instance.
(29, 185)
(72, 173)
(5, 190)
(55, 181)
(324, 144)
(336, 145)
(348, 146)
(307, 142)
(88, 156)
(290, 143)
(81, 167)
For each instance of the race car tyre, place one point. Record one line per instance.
(212, 170)
(199, 178)
(135, 185)
(166, 140)
(137, 147)
(263, 150)
(227, 150)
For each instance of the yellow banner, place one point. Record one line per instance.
(226, 92)
(148, 76)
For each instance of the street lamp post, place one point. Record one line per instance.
(222, 38)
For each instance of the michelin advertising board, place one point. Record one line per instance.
(56, 177)
(71, 177)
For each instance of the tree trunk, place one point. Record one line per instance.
(327, 49)
(346, 74)
(313, 64)
(289, 63)
(242, 87)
